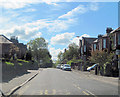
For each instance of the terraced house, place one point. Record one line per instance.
(110, 42)
(85, 50)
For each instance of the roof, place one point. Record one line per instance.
(106, 35)
(89, 40)
(118, 29)
(4, 39)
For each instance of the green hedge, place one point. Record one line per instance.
(10, 64)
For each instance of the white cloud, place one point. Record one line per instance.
(62, 39)
(59, 25)
(81, 9)
(54, 52)
(93, 6)
(28, 30)
(78, 10)
(38, 34)
(23, 32)
(15, 4)
(76, 39)
(30, 10)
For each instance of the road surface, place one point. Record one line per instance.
(52, 81)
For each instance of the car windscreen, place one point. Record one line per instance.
(67, 65)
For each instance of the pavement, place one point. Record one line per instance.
(15, 83)
(59, 82)
(110, 80)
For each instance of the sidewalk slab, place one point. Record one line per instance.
(110, 80)
(8, 86)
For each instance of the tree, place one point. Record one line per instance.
(14, 50)
(29, 54)
(60, 57)
(101, 58)
(71, 53)
(39, 50)
(37, 46)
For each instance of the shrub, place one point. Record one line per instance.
(20, 60)
(20, 64)
(9, 63)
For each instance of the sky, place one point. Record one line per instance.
(58, 21)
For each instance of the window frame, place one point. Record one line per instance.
(104, 43)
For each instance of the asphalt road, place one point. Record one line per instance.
(58, 82)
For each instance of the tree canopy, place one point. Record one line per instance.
(72, 53)
(39, 50)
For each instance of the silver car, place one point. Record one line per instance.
(66, 67)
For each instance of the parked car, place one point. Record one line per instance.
(61, 66)
(66, 67)
(58, 66)
(92, 67)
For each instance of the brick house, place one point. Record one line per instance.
(11, 48)
(115, 39)
(85, 50)
(109, 42)
(95, 45)
(5, 45)
(103, 41)
(21, 46)
(115, 45)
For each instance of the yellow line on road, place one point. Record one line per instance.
(76, 86)
(41, 92)
(46, 92)
(85, 93)
(91, 93)
(68, 93)
(79, 88)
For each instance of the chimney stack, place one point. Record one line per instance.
(108, 30)
(99, 36)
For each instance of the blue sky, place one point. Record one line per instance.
(58, 22)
